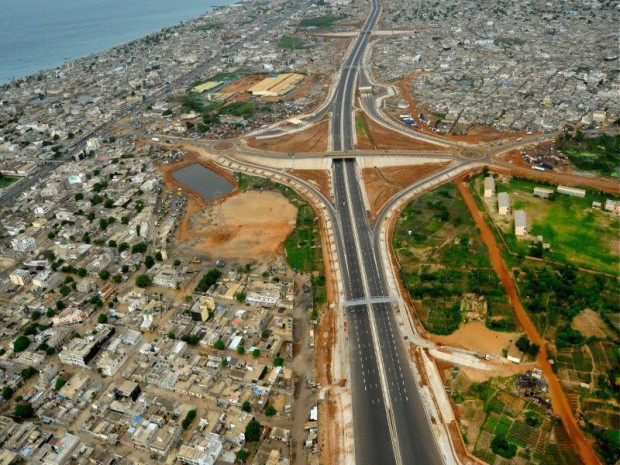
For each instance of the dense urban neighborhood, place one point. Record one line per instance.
(341, 232)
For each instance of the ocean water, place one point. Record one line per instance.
(40, 34)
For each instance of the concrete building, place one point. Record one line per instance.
(261, 293)
(167, 276)
(503, 203)
(69, 316)
(521, 226)
(80, 351)
(24, 243)
(204, 453)
(489, 186)
(612, 206)
(572, 191)
(543, 192)
(20, 277)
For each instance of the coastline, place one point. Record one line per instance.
(12, 76)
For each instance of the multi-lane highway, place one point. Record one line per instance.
(389, 420)
(342, 115)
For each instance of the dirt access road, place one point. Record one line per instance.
(558, 398)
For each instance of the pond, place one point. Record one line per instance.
(203, 181)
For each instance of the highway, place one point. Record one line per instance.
(389, 421)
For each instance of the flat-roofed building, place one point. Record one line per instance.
(489, 186)
(572, 191)
(521, 226)
(503, 203)
(543, 192)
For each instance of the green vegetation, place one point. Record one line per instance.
(23, 410)
(219, 345)
(59, 383)
(208, 280)
(508, 42)
(600, 154)
(215, 26)
(525, 346)
(443, 259)
(501, 447)
(256, 353)
(7, 393)
(20, 344)
(246, 406)
(278, 362)
(290, 43)
(187, 421)
(502, 422)
(270, 410)
(143, 280)
(578, 234)
(244, 109)
(320, 22)
(6, 181)
(253, 431)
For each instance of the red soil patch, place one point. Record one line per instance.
(310, 140)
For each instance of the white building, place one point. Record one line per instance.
(23, 243)
(612, 206)
(503, 203)
(521, 226)
(204, 453)
(489, 186)
(572, 191)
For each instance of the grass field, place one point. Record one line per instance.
(578, 234)
(290, 43)
(442, 258)
(6, 181)
(320, 22)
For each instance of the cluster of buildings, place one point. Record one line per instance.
(43, 115)
(521, 66)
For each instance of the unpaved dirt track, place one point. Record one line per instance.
(559, 400)
(310, 140)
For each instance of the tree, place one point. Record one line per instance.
(246, 406)
(270, 410)
(123, 246)
(65, 290)
(158, 256)
(240, 296)
(143, 280)
(117, 278)
(103, 224)
(503, 448)
(28, 372)
(79, 196)
(20, 344)
(523, 343)
(81, 272)
(208, 280)
(35, 315)
(124, 220)
(219, 345)
(256, 353)
(188, 419)
(278, 362)
(59, 383)
(102, 318)
(109, 203)
(241, 350)
(253, 430)
(140, 247)
(242, 455)
(149, 262)
(23, 410)
(7, 393)
(104, 274)
(112, 243)
(176, 263)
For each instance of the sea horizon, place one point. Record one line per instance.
(37, 35)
